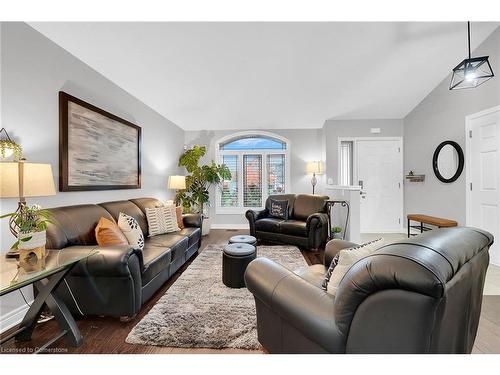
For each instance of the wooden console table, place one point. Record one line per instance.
(430, 220)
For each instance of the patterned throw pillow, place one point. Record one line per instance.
(279, 209)
(131, 229)
(162, 220)
(344, 260)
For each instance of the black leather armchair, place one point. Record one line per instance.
(307, 224)
(421, 295)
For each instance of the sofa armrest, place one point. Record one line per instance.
(304, 306)
(333, 247)
(253, 215)
(109, 261)
(192, 220)
(317, 220)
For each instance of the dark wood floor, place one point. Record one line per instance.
(107, 335)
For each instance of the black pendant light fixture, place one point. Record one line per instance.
(471, 72)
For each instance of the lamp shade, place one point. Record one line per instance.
(21, 179)
(177, 182)
(315, 167)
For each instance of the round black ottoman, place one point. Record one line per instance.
(235, 259)
(242, 238)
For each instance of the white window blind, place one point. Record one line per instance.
(275, 174)
(229, 194)
(252, 180)
(346, 163)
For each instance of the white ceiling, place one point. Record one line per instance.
(271, 75)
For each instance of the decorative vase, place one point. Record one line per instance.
(36, 242)
(206, 226)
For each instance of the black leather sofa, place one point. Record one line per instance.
(307, 224)
(119, 279)
(421, 295)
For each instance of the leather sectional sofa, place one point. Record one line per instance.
(307, 224)
(419, 295)
(119, 279)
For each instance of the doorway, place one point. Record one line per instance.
(377, 166)
(482, 163)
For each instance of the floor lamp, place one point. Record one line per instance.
(315, 168)
(20, 179)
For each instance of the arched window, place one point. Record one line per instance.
(259, 166)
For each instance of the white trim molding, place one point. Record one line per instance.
(13, 318)
(229, 226)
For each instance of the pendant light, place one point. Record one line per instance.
(471, 72)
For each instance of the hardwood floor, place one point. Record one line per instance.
(107, 335)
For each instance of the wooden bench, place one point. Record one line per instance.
(430, 220)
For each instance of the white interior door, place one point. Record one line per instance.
(379, 167)
(484, 175)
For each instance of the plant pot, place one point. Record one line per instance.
(206, 226)
(38, 239)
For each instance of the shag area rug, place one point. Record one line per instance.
(198, 310)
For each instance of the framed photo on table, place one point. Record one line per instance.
(97, 150)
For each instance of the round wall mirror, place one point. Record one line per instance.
(448, 161)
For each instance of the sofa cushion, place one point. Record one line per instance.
(130, 228)
(193, 234)
(268, 224)
(294, 228)
(74, 225)
(177, 243)
(313, 274)
(308, 204)
(278, 209)
(128, 208)
(156, 259)
(288, 197)
(108, 233)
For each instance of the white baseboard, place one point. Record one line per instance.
(13, 318)
(229, 226)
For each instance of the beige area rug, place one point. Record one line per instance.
(199, 311)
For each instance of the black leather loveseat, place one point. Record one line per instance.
(307, 224)
(119, 279)
(419, 295)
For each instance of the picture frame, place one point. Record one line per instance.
(97, 149)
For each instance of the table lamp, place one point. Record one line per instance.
(21, 180)
(177, 183)
(315, 168)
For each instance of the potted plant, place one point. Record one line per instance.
(196, 197)
(336, 232)
(31, 223)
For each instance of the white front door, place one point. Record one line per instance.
(484, 175)
(379, 167)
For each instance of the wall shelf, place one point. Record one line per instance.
(412, 177)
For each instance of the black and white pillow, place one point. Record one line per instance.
(278, 209)
(358, 252)
(131, 229)
(162, 220)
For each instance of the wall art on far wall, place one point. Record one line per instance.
(97, 150)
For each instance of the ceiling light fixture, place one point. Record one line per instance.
(471, 72)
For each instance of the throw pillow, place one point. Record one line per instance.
(131, 229)
(343, 261)
(279, 209)
(107, 233)
(178, 214)
(162, 220)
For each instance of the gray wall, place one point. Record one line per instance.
(305, 145)
(333, 129)
(33, 71)
(439, 117)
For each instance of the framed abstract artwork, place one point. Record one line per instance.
(97, 150)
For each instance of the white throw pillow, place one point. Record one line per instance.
(162, 220)
(346, 259)
(132, 231)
